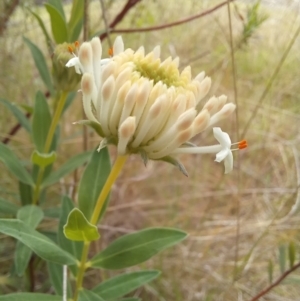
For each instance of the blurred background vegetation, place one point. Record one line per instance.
(243, 226)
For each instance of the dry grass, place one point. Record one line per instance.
(254, 209)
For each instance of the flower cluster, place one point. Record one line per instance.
(145, 105)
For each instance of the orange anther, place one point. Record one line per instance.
(242, 144)
(77, 44)
(70, 49)
(110, 51)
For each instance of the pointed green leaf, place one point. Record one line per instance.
(25, 192)
(21, 258)
(135, 248)
(56, 277)
(43, 160)
(292, 254)
(67, 168)
(121, 285)
(14, 165)
(75, 23)
(92, 181)
(92, 124)
(29, 297)
(21, 117)
(31, 215)
(58, 24)
(75, 32)
(7, 207)
(41, 121)
(36, 241)
(58, 5)
(85, 295)
(41, 65)
(282, 258)
(78, 228)
(73, 247)
(176, 163)
(42, 26)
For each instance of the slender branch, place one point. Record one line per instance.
(237, 234)
(271, 81)
(277, 282)
(120, 16)
(85, 138)
(176, 23)
(8, 10)
(14, 130)
(105, 23)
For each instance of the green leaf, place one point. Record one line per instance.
(41, 65)
(66, 168)
(85, 295)
(56, 277)
(7, 207)
(75, 23)
(14, 165)
(43, 160)
(92, 181)
(21, 117)
(79, 229)
(92, 124)
(36, 241)
(73, 247)
(29, 297)
(21, 258)
(58, 24)
(42, 25)
(135, 248)
(282, 258)
(292, 254)
(130, 299)
(75, 32)
(25, 192)
(31, 215)
(176, 163)
(58, 5)
(123, 284)
(41, 121)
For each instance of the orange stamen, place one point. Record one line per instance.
(70, 49)
(242, 144)
(110, 51)
(77, 44)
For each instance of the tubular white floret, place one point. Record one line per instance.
(146, 104)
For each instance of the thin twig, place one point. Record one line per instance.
(85, 137)
(119, 17)
(105, 23)
(8, 10)
(237, 236)
(277, 282)
(271, 81)
(176, 23)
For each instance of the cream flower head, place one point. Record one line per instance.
(142, 104)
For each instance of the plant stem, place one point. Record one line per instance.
(106, 189)
(54, 122)
(82, 268)
(114, 173)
